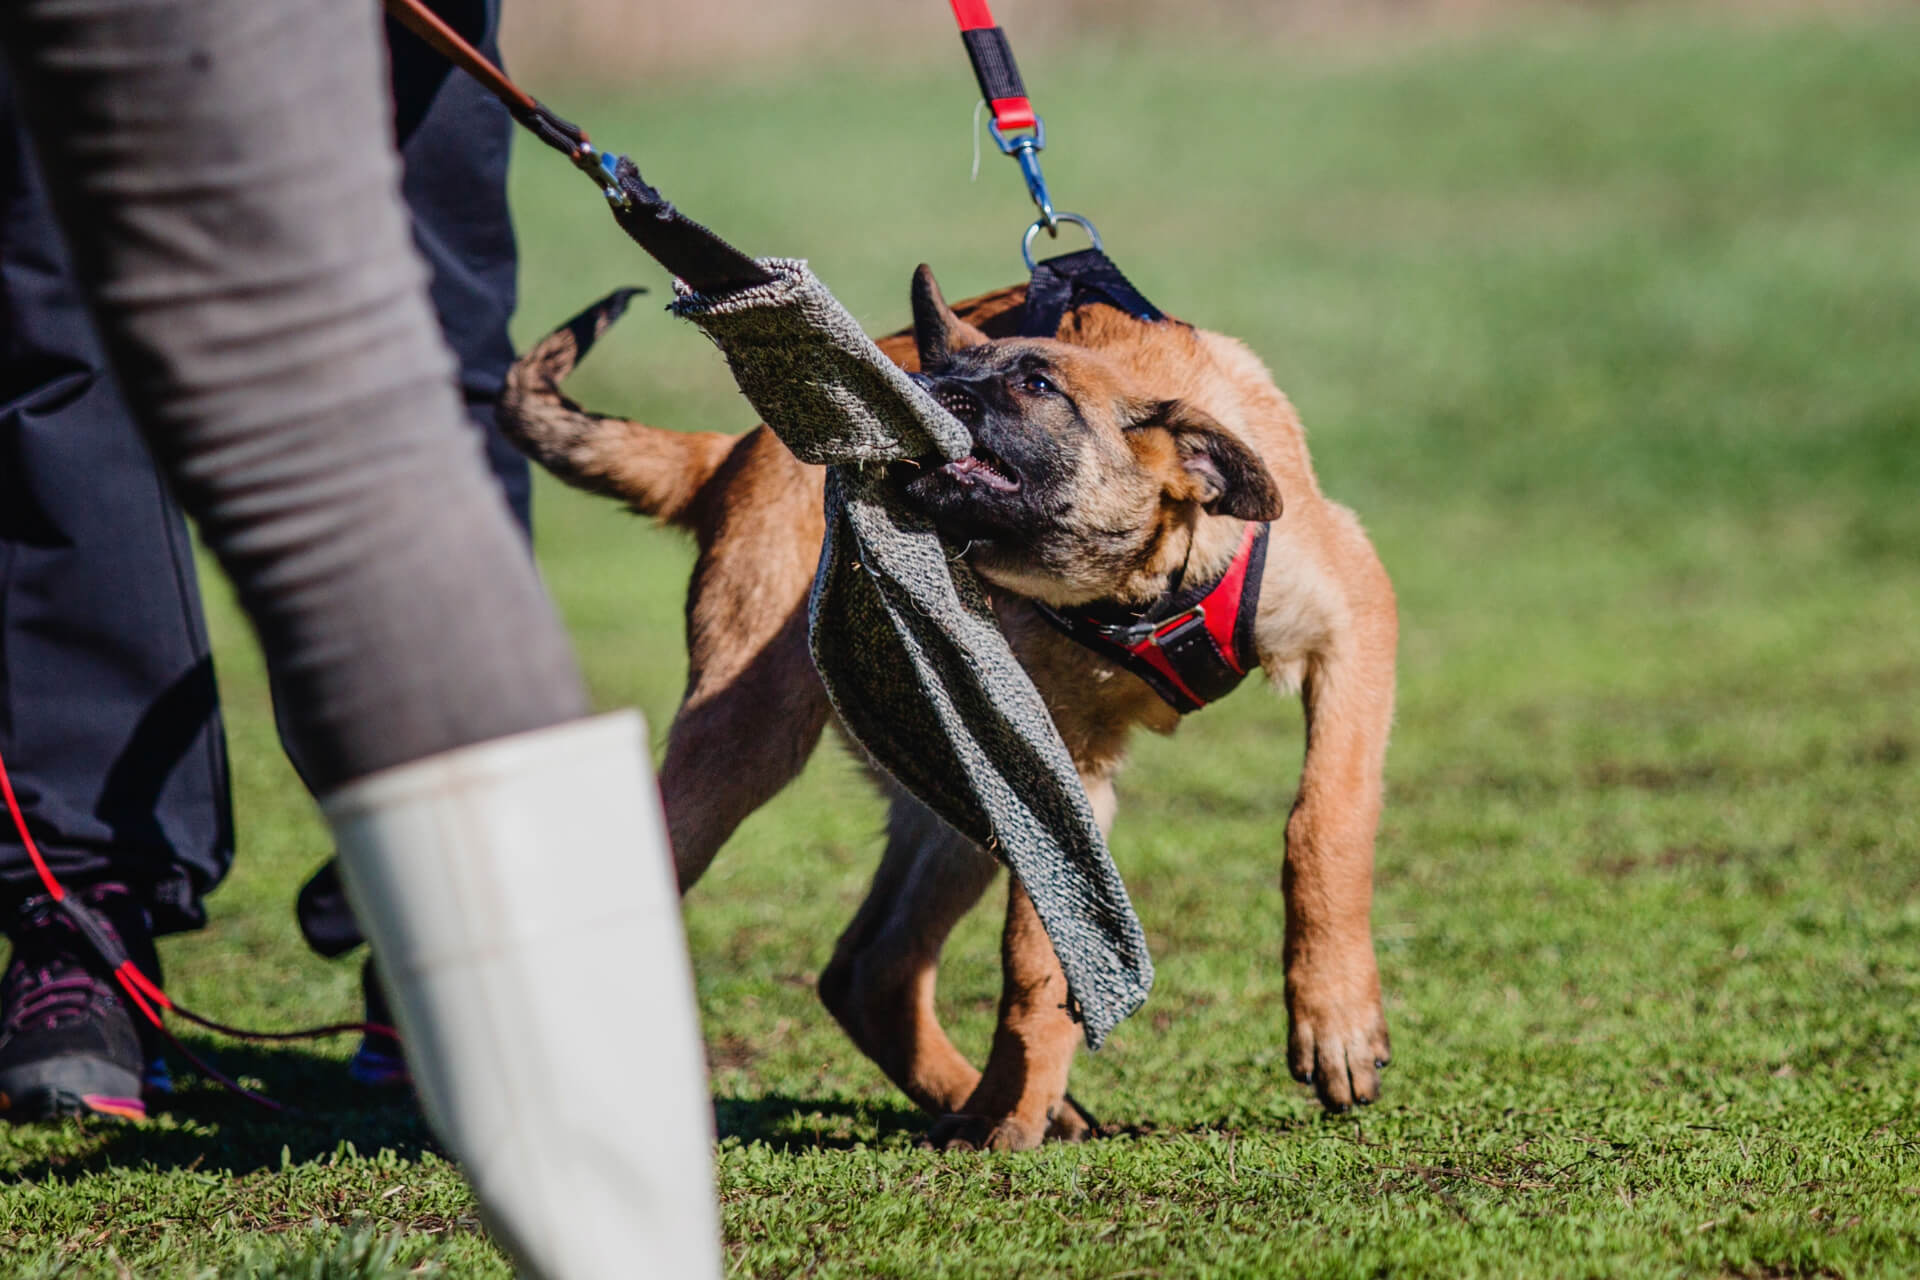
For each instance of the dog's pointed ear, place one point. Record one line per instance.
(937, 332)
(1227, 476)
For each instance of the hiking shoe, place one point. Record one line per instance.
(70, 1044)
(379, 1062)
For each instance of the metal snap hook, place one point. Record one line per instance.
(1036, 140)
(1025, 149)
(1042, 224)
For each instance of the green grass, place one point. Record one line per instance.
(1611, 332)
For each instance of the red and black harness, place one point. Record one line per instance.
(1193, 645)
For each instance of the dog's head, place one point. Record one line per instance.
(1079, 476)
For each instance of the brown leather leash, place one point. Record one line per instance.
(432, 28)
(696, 255)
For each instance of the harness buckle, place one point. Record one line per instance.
(1133, 635)
(1178, 625)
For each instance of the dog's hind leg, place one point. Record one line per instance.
(754, 705)
(743, 733)
(880, 982)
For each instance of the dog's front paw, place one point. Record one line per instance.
(983, 1133)
(955, 1132)
(1068, 1123)
(1337, 1038)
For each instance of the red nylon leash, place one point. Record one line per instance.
(994, 67)
(143, 993)
(1006, 95)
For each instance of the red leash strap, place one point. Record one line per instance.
(1016, 127)
(994, 67)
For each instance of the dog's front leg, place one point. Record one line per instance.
(1021, 1100)
(1338, 1031)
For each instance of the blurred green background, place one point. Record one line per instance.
(1608, 324)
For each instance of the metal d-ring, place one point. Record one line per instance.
(1040, 224)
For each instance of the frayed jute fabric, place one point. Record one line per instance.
(904, 637)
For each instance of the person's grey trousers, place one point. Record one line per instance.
(223, 173)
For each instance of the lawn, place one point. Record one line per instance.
(1610, 330)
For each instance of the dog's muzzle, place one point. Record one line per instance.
(960, 403)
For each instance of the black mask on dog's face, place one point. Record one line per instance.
(1074, 480)
(1020, 478)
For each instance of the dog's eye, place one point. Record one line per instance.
(1039, 384)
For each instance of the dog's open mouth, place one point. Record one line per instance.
(985, 468)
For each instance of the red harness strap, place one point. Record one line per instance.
(993, 66)
(1193, 647)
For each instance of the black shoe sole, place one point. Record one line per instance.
(70, 1086)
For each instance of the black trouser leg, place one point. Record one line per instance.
(109, 723)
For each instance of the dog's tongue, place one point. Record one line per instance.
(987, 470)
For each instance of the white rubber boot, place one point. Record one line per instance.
(520, 899)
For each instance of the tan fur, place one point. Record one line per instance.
(754, 708)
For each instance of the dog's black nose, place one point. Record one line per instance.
(953, 398)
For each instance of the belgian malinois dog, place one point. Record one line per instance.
(1117, 465)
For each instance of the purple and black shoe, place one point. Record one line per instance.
(70, 1044)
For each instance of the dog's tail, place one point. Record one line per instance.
(655, 471)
